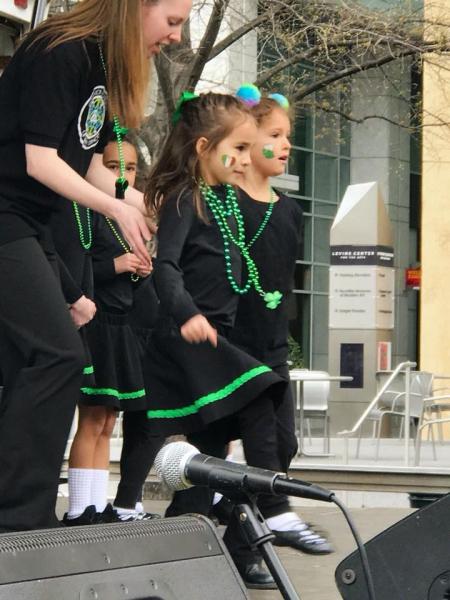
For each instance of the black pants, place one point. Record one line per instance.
(267, 429)
(138, 453)
(41, 358)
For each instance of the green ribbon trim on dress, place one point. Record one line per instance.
(111, 392)
(209, 398)
(88, 370)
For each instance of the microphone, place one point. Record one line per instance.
(180, 466)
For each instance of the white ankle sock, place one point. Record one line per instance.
(288, 521)
(125, 511)
(139, 507)
(99, 489)
(79, 481)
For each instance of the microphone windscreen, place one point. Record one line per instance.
(170, 464)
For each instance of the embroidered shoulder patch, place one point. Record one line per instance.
(92, 117)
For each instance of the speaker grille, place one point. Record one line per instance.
(53, 538)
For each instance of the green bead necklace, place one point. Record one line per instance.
(265, 220)
(221, 211)
(85, 239)
(121, 181)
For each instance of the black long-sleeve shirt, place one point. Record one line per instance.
(190, 276)
(260, 331)
(112, 292)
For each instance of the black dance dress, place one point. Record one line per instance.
(115, 348)
(192, 385)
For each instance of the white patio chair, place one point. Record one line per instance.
(436, 411)
(392, 404)
(315, 402)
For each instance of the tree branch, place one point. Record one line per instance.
(347, 72)
(207, 43)
(239, 33)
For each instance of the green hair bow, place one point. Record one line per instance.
(184, 97)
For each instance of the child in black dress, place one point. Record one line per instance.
(114, 349)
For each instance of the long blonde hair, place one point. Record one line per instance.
(117, 25)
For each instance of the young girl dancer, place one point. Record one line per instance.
(53, 99)
(273, 223)
(115, 352)
(195, 377)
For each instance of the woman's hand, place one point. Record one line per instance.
(82, 311)
(135, 230)
(198, 329)
(127, 263)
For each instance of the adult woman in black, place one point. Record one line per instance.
(55, 96)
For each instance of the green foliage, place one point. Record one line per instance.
(295, 355)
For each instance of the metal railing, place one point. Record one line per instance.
(347, 434)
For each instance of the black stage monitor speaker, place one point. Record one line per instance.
(409, 561)
(165, 559)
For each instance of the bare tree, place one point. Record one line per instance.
(307, 48)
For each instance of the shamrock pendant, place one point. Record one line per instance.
(272, 299)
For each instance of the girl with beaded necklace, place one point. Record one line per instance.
(113, 345)
(194, 377)
(54, 98)
(274, 226)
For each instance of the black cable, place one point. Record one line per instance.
(361, 548)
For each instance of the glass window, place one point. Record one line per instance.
(345, 137)
(327, 132)
(344, 177)
(307, 238)
(302, 277)
(322, 240)
(320, 331)
(305, 205)
(301, 164)
(301, 326)
(324, 209)
(325, 178)
(415, 153)
(303, 130)
(321, 279)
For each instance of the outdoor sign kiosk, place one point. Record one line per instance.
(361, 305)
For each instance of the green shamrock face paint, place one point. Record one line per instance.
(227, 161)
(268, 151)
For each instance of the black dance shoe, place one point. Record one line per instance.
(111, 515)
(87, 517)
(255, 576)
(306, 540)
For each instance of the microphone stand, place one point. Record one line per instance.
(260, 536)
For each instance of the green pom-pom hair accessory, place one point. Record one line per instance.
(184, 97)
